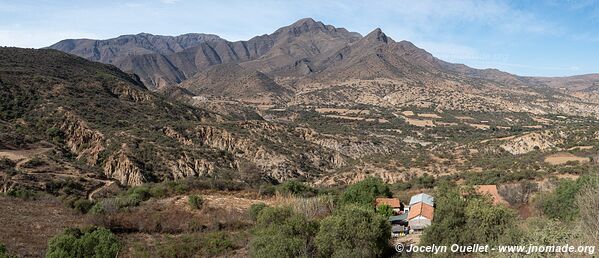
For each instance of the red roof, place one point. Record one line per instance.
(423, 209)
(393, 202)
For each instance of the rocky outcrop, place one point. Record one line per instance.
(124, 168)
(126, 92)
(170, 132)
(188, 167)
(221, 139)
(80, 138)
(533, 141)
(348, 146)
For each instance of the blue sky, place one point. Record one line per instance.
(526, 37)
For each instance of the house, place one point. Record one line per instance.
(422, 209)
(420, 215)
(422, 197)
(399, 230)
(399, 225)
(401, 219)
(492, 191)
(394, 203)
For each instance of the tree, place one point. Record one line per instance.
(561, 203)
(94, 242)
(296, 188)
(353, 230)
(365, 192)
(464, 217)
(280, 232)
(384, 210)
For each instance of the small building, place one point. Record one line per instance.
(394, 203)
(401, 219)
(420, 215)
(492, 191)
(422, 197)
(399, 230)
(399, 225)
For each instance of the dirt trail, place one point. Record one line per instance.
(21, 155)
(107, 183)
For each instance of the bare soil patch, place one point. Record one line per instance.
(420, 122)
(429, 116)
(28, 225)
(479, 126)
(563, 158)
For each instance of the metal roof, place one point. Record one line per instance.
(422, 197)
(400, 217)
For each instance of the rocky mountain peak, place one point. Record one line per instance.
(377, 35)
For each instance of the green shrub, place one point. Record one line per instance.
(384, 210)
(34, 162)
(6, 163)
(83, 205)
(468, 220)
(296, 188)
(4, 252)
(195, 201)
(24, 194)
(561, 203)
(280, 232)
(217, 243)
(353, 230)
(255, 210)
(93, 242)
(267, 190)
(184, 246)
(365, 192)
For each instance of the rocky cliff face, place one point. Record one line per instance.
(122, 167)
(86, 143)
(533, 141)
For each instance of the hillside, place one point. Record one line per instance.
(233, 81)
(70, 122)
(309, 63)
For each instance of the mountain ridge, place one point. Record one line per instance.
(309, 57)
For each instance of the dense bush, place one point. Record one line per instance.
(353, 231)
(280, 232)
(6, 163)
(217, 243)
(94, 242)
(33, 163)
(469, 219)
(561, 203)
(296, 188)
(384, 210)
(195, 201)
(365, 192)
(24, 194)
(255, 210)
(4, 252)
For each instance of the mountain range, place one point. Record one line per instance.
(299, 64)
(309, 101)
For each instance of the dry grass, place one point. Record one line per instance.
(28, 225)
(563, 158)
(420, 122)
(479, 126)
(429, 116)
